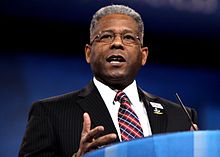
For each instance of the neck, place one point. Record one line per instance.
(116, 84)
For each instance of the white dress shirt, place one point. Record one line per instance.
(131, 91)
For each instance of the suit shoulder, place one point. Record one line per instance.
(56, 101)
(63, 101)
(63, 97)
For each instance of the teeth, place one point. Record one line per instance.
(115, 59)
(114, 62)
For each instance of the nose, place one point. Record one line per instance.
(117, 42)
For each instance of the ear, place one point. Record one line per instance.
(144, 53)
(88, 52)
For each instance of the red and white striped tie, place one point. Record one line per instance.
(129, 124)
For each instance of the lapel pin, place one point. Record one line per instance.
(157, 111)
(157, 107)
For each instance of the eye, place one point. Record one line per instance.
(106, 37)
(129, 37)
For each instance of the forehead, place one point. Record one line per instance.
(116, 22)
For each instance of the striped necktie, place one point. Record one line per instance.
(129, 124)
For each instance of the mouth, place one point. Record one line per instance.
(115, 59)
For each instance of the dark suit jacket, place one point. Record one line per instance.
(55, 124)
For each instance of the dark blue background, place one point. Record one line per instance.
(42, 55)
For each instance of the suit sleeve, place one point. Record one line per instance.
(38, 140)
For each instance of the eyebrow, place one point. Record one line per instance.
(123, 31)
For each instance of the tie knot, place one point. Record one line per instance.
(121, 97)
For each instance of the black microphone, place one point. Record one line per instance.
(184, 108)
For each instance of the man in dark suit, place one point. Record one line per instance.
(84, 120)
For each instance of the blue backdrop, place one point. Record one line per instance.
(183, 32)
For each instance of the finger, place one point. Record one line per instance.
(86, 123)
(101, 141)
(195, 126)
(98, 133)
(92, 134)
(88, 138)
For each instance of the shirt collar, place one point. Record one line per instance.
(107, 93)
(132, 92)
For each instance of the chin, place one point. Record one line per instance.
(118, 82)
(117, 78)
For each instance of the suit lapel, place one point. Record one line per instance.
(157, 116)
(90, 101)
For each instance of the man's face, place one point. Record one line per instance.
(116, 63)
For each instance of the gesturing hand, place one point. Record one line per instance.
(90, 139)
